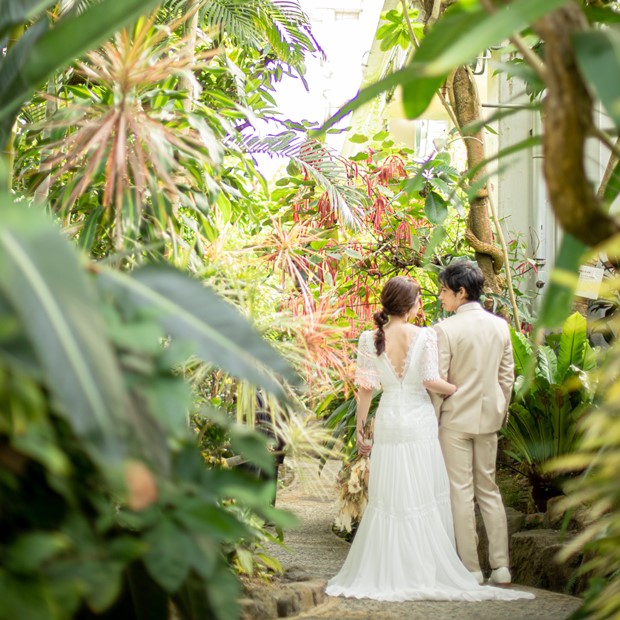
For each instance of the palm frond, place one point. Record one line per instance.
(268, 25)
(75, 6)
(330, 170)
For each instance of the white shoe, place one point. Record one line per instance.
(500, 576)
(478, 576)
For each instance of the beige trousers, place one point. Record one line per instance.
(470, 461)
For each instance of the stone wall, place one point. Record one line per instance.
(533, 554)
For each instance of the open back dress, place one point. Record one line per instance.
(404, 548)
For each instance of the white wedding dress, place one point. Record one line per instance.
(404, 547)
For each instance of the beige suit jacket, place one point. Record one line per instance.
(475, 353)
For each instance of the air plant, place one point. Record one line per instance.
(124, 149)
(289, 250)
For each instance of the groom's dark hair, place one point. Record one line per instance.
(465, 274)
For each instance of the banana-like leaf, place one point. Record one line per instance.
(598, 56)
(456, 39)
(31, 60)
(547, 364)
(42, 280)
(190, 311)
(521, 351)
(17, 12)
(573, 342)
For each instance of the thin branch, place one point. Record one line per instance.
(614, 158)
(614, 147)
(502, 242)
(528, 55)
(436, 10)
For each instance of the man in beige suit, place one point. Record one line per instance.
(476, 355)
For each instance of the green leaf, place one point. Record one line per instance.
(246, 560)
(29, 551)
(557, 302)
(435, 208)
(192, 312)
(547, 364)
(437, 236)
(17, 12)
(252, 446)
(224, 593)
(456, 39)
(521, 351)
(168, 557)
(358, 138)
(270, 562)
(612, 189)
(598, 56)
(169, 400)
(29, 598)
(210, 520)
(101, 582)
(88, 233)
(33, 58)
(573, 342)
(43, 280)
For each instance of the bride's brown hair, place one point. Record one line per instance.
(397, 298)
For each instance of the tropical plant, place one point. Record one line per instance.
(36, 48)
(548, 407)
(129, 143)
(549, 39)
(594, 468)
(108, 508)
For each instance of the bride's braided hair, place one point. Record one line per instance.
(397, 298)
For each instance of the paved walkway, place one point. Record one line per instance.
(315, 552)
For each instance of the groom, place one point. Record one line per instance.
(475, 354)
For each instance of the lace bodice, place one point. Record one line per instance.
(376, 371)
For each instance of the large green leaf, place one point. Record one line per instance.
(435, 208)
(42, 279)
(573, 342)
(190, 311)
(168, 559)
(33, 59)
(521, 351)
(17, 12)
(598, 56)
(456, 39)
(547, 364)
(557, 302)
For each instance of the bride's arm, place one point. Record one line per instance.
(440, 386)
(431, 379)
(364, 397)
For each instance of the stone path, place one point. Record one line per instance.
(314, 553)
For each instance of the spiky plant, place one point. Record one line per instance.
(123, 151)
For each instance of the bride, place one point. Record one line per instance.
(404, 547)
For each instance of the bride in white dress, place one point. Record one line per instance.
(404, 547)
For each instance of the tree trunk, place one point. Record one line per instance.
(568, 122)
(466, 106)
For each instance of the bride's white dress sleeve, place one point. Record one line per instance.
(430, 357)
(366, 373)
